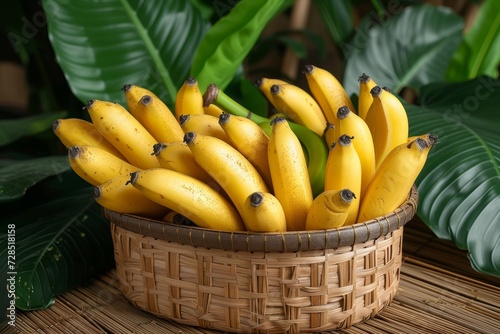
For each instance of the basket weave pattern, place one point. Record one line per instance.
(249, 291)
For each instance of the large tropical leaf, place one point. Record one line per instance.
(337, 17)
(410, 49)
(17, 176)
(479, 52)
(459, 186)
(13, 129)
(59, 244)
(222, 50)
(102, 45)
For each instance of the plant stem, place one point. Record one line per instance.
(214, 95)
(379, 7)
(153, 51)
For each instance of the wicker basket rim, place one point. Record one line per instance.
(292, 241)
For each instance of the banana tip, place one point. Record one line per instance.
(157, 148)
(256, 199)
(126, 88)
(96, 192)
(89, 104)
(224, 118)
(364, 78)
(376, 90)
(74, 152)
(189, 137)
(308, 69)
(275, 89)
(347, 195)
(133, 178)
(146, 100)
(55, 124)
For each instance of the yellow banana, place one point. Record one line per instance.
(350, 123)
(264, 85)
(177, 156)
(153, 114)
(176, 218)
(264, 213)
(327, 90)
(365, 98)
(96, 166)
(343, 171)
(226, 165)
(124, 132)
(330, 134)
(329, 209)
(291, 182)
(115, 194)
(204, 124)
(213, 110)
(299, 106)
(430, 138)
(393, 180)
(189, 99)
(314, 146)
(79, 132)
(251, 140)
(188, 196)
(388, 123)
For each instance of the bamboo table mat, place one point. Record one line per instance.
(438, 293)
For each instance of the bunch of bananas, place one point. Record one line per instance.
(316, 163)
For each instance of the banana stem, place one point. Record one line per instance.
(214, 95)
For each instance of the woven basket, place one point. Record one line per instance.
(242, 282)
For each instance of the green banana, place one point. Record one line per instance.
(314, 145)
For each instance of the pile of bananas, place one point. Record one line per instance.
(316, 163)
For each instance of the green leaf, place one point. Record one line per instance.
(478, 54)
(17, 177)
(58, 246)
(459, 186)
(337, 17)
(410, 49)
(13, 129)
(102, 46)
(225, 46)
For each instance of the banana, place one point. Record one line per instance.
(264, 85)
(350, 123)
(289, 173)
(330, 134)
(264, 213)
(124, 132)
(153, 114)
(188, 196)
(327, 90)
(96, 165)
(177, 156)
(176, 218)
(213, 110)
(226, 165)
(388, 123)
(79, 132)
(115, 194)
(204, 124)
(329, 209)
(315, 146)
(393, 180)
(343, 170)
(430, 138)
(189, 99)
(298, 106)
(365, 99)
(250, 139)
